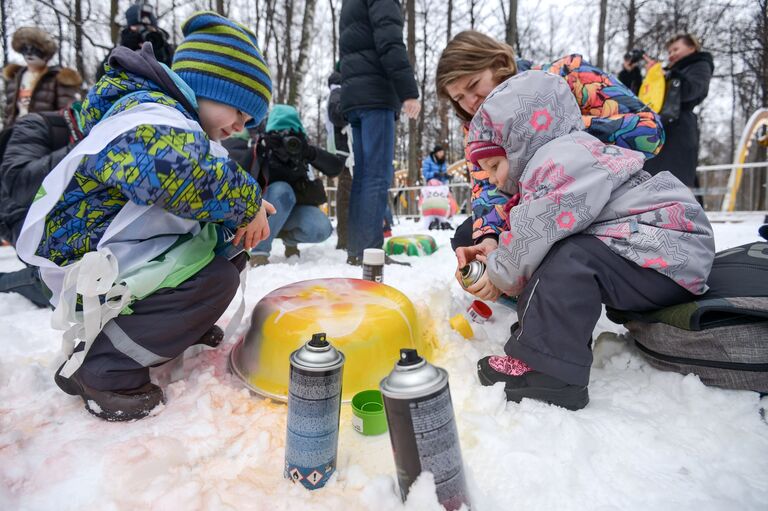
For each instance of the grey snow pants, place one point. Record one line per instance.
(561, 304)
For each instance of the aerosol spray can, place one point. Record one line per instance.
(422, 428)
(314, 402)
(471, 273)
(373, 264)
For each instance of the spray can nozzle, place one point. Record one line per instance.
(318, 340)
(409, 357)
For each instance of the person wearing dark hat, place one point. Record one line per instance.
(141, 27)
(128, 228)
(434, 166)
(37, 87)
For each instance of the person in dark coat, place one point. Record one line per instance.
(694, 69)
(377, 81)
(337, 126)
(38, 142)
(141, 27)
(36, 87)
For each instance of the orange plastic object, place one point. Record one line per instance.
(368, 321)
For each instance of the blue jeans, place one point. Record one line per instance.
(292, 223)
(373, 138)
(25, 282)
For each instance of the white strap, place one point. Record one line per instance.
(92, 276)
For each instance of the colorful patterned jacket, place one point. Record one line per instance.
(151, 164)
(564, 181)
(610, 112)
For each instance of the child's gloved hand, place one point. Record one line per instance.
(484, 289)
(257, 230)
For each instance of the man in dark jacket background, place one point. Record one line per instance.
(377, 81)
(36, 145)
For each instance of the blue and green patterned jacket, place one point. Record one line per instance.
(172, 168)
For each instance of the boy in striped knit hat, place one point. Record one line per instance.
(127, 227)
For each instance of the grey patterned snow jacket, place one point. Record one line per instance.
(564, 181)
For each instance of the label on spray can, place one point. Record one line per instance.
(314, 402)
(423, 431)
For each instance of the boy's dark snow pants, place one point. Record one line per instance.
(161, 327)
(561, 304)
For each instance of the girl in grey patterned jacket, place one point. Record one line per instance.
(586, 226)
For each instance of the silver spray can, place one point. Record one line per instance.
(314, 403)
(422, 428)
(373, 264)
(471, 273)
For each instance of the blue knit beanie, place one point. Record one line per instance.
(220, 60)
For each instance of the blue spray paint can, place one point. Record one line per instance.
(314, 404)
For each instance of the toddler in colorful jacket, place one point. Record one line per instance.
(587, 226)
(126, 228)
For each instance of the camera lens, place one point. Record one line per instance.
(292, 144)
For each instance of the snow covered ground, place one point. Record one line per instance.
(647, 440)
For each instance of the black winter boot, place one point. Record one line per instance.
(112, 405)
(520, 382)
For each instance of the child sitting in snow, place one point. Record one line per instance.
(586, 226)
(125, 228)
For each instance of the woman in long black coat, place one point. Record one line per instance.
(694, 68)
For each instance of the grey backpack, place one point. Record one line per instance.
(722, 336)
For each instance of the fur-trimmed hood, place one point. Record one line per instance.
(64, 75)
(35, 37)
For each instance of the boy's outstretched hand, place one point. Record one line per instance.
(257, 229)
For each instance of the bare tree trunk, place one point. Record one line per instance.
(79, 59)
(413, 157)
(601, 34)
(512, 37)
(220, 7)
(297, 75)
(631, 24)
(423, 98)
(60, 38)
(762, 41)
(4, 27)
(472, 19)
(334, 30)
(443, 107)
(114, 26)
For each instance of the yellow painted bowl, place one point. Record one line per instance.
(368, 321)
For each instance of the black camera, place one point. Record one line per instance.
(634, 55)
(285, 142)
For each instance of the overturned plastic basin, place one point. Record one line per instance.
(368, 321)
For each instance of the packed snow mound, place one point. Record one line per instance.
(647, 440)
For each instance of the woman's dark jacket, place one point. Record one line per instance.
(680, 153)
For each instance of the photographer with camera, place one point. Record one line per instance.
(141, 27)
(283, 157)
(630, 75)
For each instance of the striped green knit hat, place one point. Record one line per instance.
(221, 61)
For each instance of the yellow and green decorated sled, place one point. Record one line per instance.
(412, 245)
